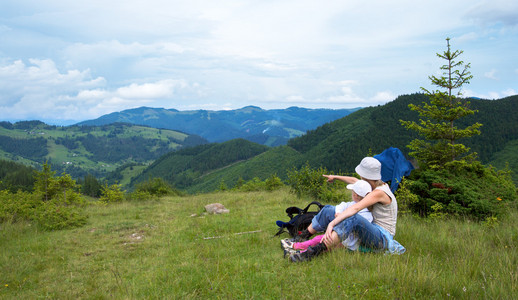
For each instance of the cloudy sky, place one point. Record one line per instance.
(67, 61)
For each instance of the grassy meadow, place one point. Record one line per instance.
(167, 249)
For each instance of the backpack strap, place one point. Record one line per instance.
(281, 230)
(320, 206)
(294, 211)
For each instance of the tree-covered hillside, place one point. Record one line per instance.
(339, 145)
(79, 150)
(15, 176)
(185, 167)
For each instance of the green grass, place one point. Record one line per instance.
(157, 250)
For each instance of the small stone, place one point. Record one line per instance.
(216, 208)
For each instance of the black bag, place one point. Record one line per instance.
(300, 219)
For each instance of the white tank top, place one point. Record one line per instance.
(386, 215)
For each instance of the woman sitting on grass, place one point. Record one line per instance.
(359, 190)
(376, 236)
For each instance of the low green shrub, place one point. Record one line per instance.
(307, 181)
(50, 215)
(256, 184)
(470, 190)
(273, 183)
(17, 206)
(112, 193)
(140, 196)
(405, 198)
(157, 187)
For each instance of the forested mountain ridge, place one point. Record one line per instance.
(340, 145)
(79, 150)
(185, 167)
(268, 127)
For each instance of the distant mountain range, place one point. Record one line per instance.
(130, 154)
(267, 127)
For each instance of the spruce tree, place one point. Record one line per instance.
(440, 146)
(45, 182)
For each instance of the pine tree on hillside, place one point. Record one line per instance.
(436, 124)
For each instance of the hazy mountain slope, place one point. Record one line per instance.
(268, 127)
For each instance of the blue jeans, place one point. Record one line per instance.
(369, 235)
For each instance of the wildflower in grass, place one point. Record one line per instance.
(498, 198)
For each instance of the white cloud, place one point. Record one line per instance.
(509, 92)
(495, 11)
(116, 49)
(30, 86)
(161, 89)
(491, 95)
(383, 97)
(40, 90)
(491, 74)
(467, 37)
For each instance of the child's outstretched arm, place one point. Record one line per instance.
(346, 179)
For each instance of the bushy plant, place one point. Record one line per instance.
(112, 193)
(68, 191)
(54, 204)
(140, 196)
(52, 215)
(273, 183)
(157, 187)
(437, 212)
(307, 181)
(17, 206)
(405, 198)
(469, 190)
(256, 184)
(223, 186)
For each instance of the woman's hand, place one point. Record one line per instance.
(327, 239)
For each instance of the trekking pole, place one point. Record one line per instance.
(237, 233)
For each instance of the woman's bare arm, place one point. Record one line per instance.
(369, 200)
